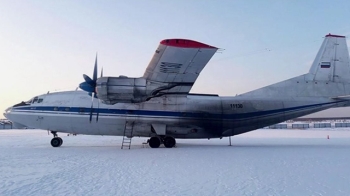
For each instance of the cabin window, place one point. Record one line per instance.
(40, 100)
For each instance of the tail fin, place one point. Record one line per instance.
(332, 61)
(329, 75)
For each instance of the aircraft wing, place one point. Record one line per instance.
(176, 64)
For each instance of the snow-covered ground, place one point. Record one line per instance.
(263, 162)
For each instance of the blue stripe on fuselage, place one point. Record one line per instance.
(201, 115)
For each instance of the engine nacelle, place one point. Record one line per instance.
(112, 90)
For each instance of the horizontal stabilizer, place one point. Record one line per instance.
(343, 97)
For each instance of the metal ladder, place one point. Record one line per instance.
(126, 143)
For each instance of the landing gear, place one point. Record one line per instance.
(61, 140)
(154, 142)
(56, 141)
(168, 141)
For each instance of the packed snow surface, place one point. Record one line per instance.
(262, 162)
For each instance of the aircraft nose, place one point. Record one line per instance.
(7, 111)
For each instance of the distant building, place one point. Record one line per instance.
(318, 119)
(5, 124)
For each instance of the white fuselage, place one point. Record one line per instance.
(191, 116)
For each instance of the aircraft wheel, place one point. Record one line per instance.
(154, 142)
(169, 142)
(61, 140)
(56, 142)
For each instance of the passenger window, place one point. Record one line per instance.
(40, 100)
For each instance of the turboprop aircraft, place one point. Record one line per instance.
(158, 105)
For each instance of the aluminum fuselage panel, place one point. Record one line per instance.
(184, 116)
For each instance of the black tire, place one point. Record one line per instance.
(169, 142)
(154, 142)
(61, 140)
(56, 142)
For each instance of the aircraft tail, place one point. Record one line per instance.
(332, 61)
(329, 75)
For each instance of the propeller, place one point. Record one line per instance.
(90, 86)
(98, 103)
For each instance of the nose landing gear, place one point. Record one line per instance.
(56, 141)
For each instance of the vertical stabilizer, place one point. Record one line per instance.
(332, 61)
(329, 75)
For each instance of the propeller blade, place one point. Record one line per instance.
(92, 106)
(98, 110)
(94, 77)
(86, 87)
(91, 112)
(88, 79)
(90, 84)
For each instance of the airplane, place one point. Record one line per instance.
(159, 104)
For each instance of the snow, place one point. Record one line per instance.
(262, 162)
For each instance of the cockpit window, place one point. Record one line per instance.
(31, 101)
(28, 102)
(35, 99)
(21, 104)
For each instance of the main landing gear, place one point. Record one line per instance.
(56, 141)
(168, 141)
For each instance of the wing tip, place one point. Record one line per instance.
(185, 43)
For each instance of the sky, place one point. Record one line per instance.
(48, 45)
